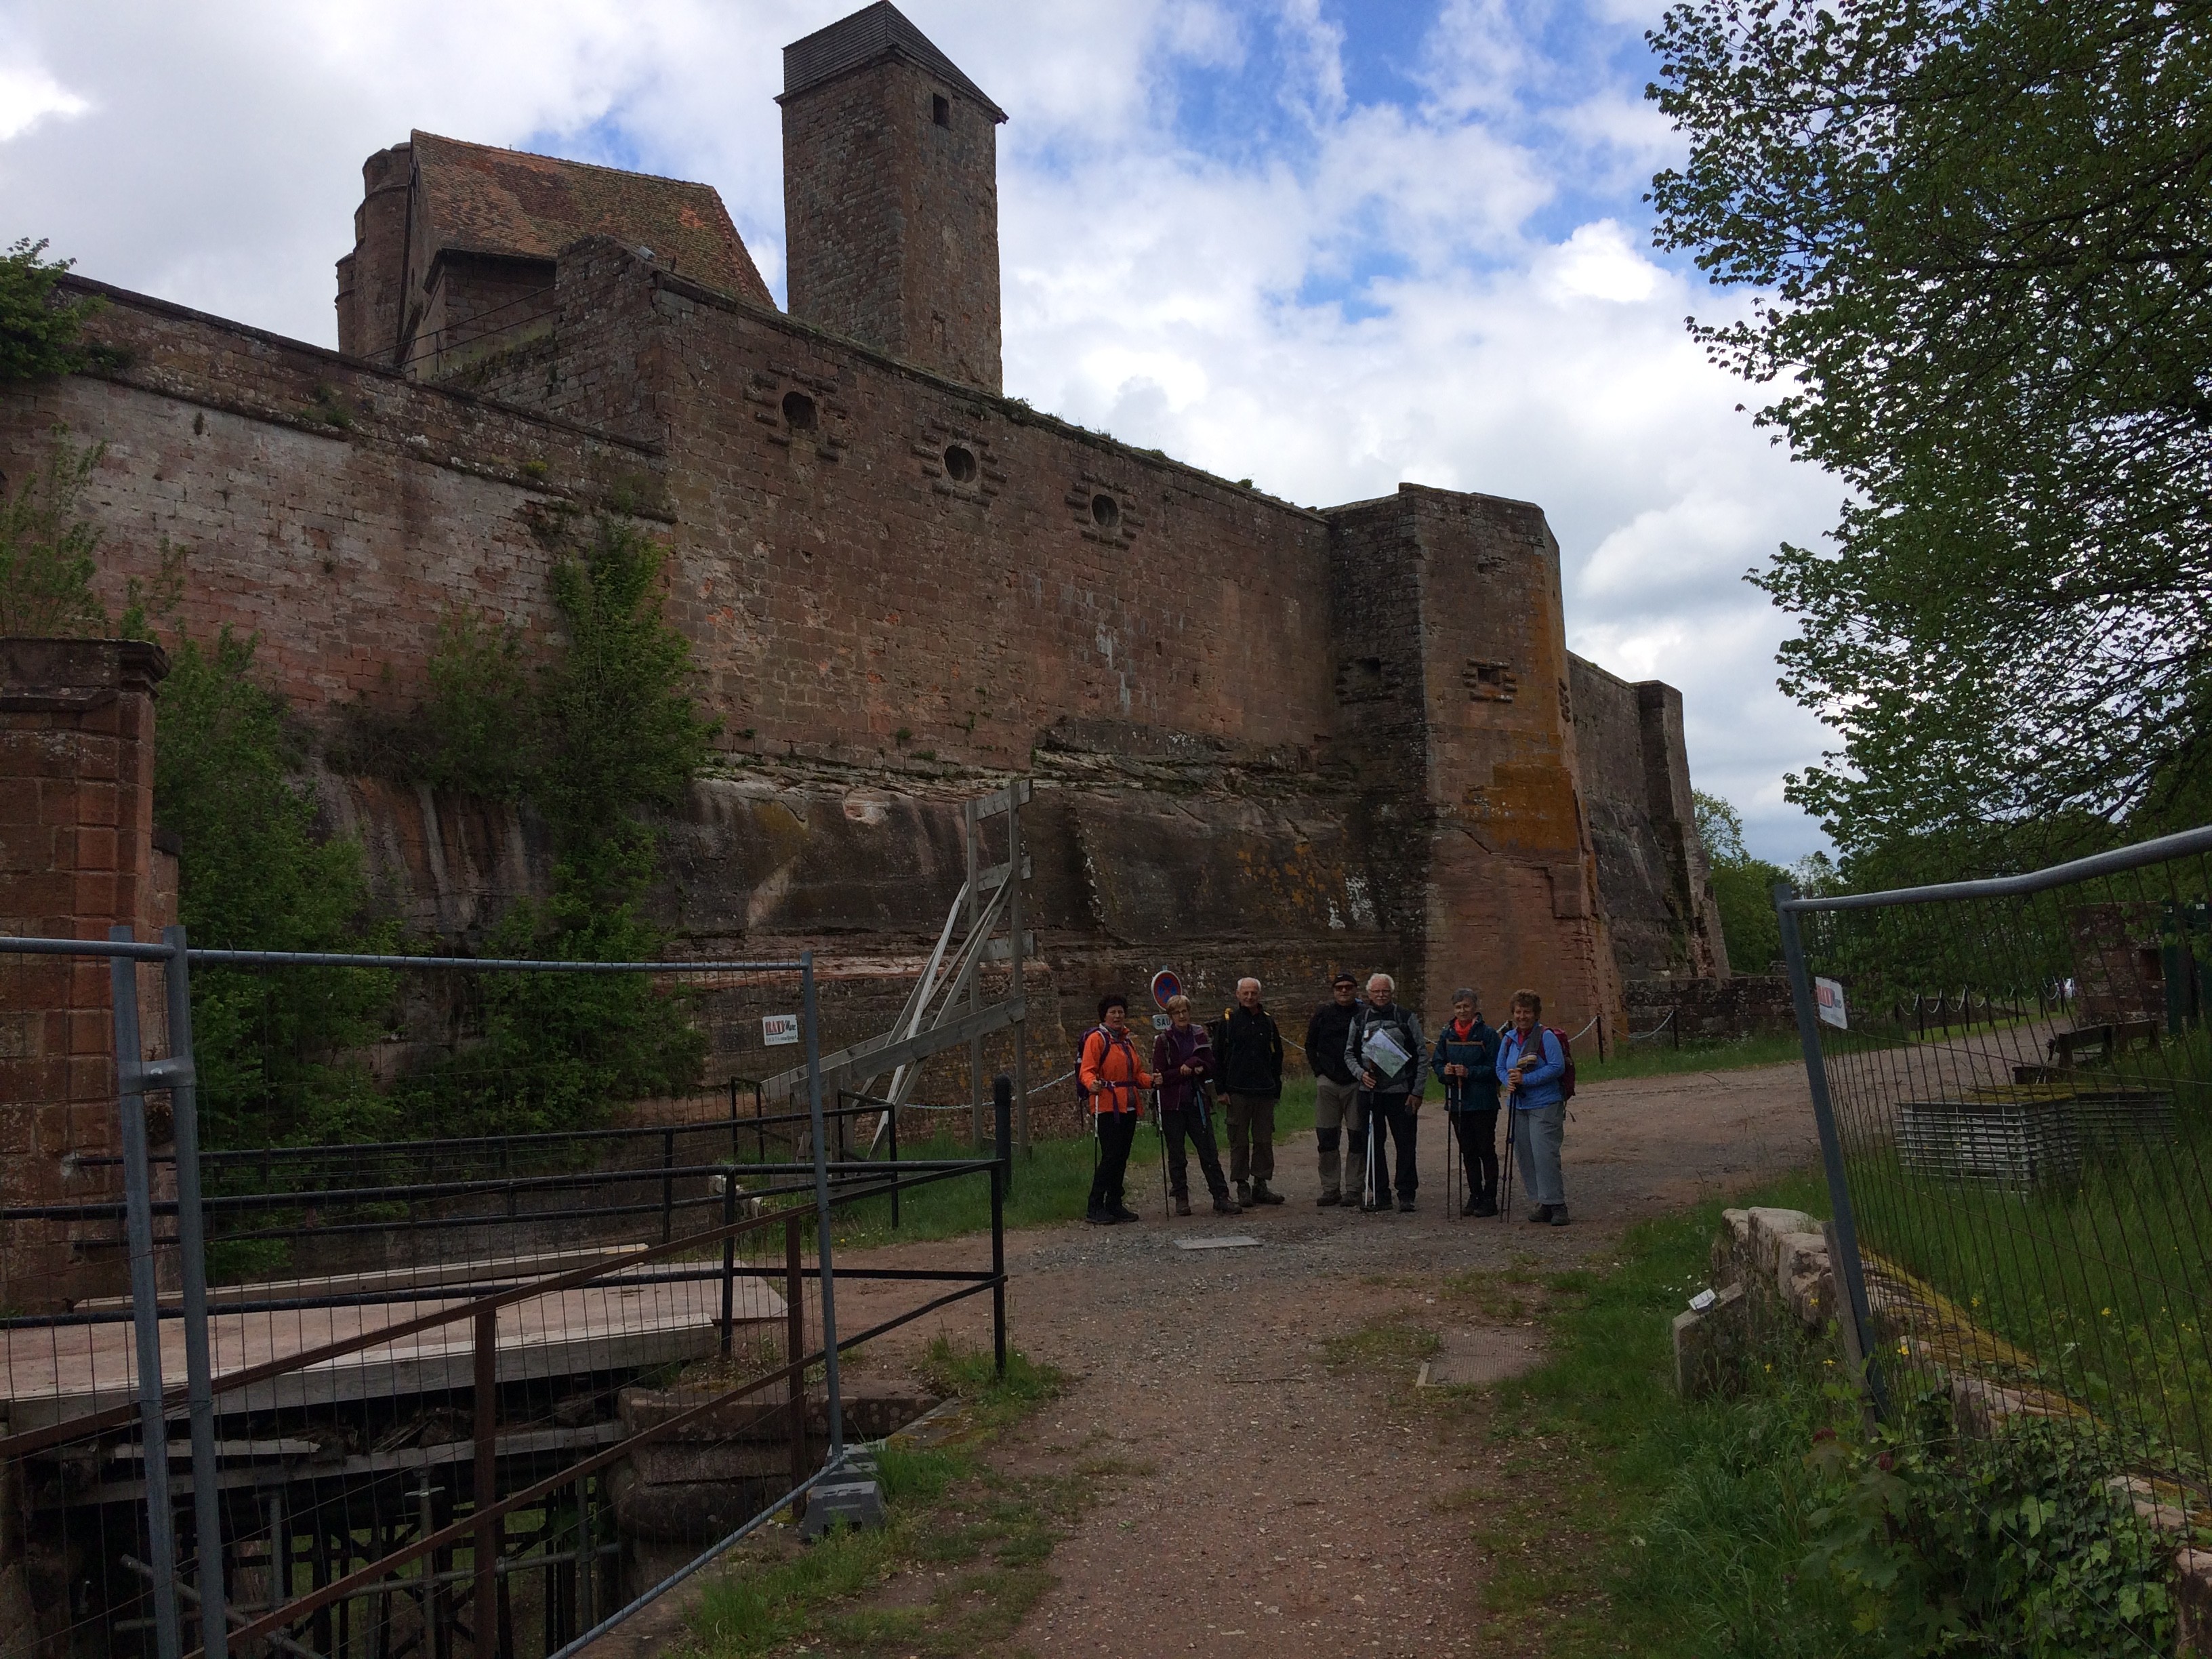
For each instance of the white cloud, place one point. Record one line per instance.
(29, 95)
(1454, 290)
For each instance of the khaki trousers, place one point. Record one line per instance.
(1337, 1116)
(1251, 1138)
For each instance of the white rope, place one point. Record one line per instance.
(1639, 1036)
(1585, 1031)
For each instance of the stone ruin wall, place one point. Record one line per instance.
(1248, 757)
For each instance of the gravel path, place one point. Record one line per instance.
(1279, 1506)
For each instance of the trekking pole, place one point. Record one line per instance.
(1371, 1152)
(1505, 1176)
(1451, 1159)
(1160, 1128)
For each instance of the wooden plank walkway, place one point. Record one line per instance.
(50, 1374)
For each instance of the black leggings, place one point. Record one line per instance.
(1477, 1128)
(1391, 1122)
(1117, 1132)
(1192, 1122)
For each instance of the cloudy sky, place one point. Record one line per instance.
(1323, 245)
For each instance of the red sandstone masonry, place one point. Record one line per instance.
(77, 857)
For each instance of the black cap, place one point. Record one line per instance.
(1345, 978)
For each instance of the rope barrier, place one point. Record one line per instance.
(1639, 1036)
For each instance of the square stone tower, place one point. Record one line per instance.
(891, 195)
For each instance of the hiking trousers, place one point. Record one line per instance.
(1190, 1121)
(1251, 1138)
(1537, 1136)
(1477, 1129)
(1117, 1132)
(1337, 1114)
(1393, 1120)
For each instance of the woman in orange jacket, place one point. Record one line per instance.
(1114, 1081)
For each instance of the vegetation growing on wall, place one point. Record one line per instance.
(48, 556)
(41, 334)
(589, 735)
(593, 737)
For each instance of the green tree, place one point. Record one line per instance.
(1979, 236)
(40, 332)
(271, 1045)
(1743, 887)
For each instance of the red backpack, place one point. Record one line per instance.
(1567, 1055)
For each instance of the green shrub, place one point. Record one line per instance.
(2011, 1545)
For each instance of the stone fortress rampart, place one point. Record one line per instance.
(1263, 737)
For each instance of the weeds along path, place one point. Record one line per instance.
(1278, 1491)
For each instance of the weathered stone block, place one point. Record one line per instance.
(1709, 1346)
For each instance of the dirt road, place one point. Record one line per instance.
(1277, 1504)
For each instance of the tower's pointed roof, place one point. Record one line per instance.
(870, 34)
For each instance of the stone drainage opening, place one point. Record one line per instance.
(940, 110)
(1105, 512)
(960, 464)
(798, 412)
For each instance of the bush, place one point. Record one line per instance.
(2011, 1545)
(40, 332)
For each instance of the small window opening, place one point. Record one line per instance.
(960, 464)
(1105, 512)
(798, 412)
(940, 110)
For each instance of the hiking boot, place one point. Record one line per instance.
(1483, 1208)
(1263, 1193)
(1099, 1216)
(1123, 1213)
(1329, 1200)
(1182, 1206)
(1405, 1206)
(1224, 1205)
(1473, 1207)
(1558, 1215)
(1376, 1205)
(1244, 1193)
(1541, 1214)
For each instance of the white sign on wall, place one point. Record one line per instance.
(777, 1029)
(1828, 999)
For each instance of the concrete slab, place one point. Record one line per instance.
(1220, 1241)
(1486, 1353)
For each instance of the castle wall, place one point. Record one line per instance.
(1264, 738)
(1653, 882)
(340, 544)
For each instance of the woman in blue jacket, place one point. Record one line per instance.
(1530, 1064)
(1466, 1063)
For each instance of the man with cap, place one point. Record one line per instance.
(1336, 1093)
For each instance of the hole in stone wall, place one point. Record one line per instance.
(1105, 512)
(798, 412)
(940, 110)
(960, 464)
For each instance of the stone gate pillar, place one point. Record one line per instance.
(77, 857)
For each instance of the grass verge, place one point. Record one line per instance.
(955, 1568)
(1660, 1058)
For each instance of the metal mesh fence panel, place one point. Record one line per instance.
(440, 1393)
(2016, 1083)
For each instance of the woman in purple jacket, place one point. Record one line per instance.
(1182, 1060)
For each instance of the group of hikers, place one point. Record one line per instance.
(1371, 1068)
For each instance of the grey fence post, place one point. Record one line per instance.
(130, 1072)
(822, 1213)
(192, 1246)
(1848, 1266)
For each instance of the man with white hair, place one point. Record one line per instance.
(1248, 1059)
(1384, 1051)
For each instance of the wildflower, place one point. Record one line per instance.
(2104, 1312)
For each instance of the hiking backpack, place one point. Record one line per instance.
(1567, 1056)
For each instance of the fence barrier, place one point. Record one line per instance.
(2013, 1084)
(479, 1394)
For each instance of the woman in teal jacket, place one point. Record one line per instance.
(1466, 1063)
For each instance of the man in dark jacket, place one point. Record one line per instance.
(1247, 1058)
(1336, 1093)
(1384, 1048)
